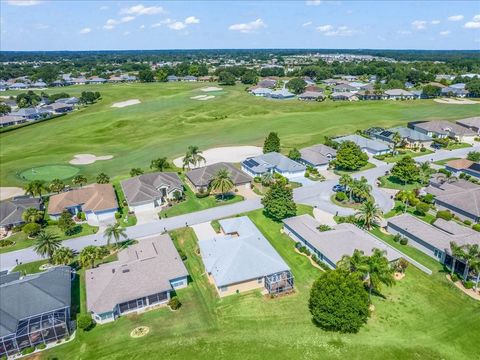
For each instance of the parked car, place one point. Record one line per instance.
(435, 146)
(338, 188)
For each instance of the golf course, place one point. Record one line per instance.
(168, 117)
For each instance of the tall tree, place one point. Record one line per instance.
(88, 255)
(4, 109)
(347, 181)
(32, 215)
(369, 214)
(457, 253)
(350, 157)
(146, 75)
(103, 178)
(136, 172)
(226, 78)
(406, 170)
(56, 185)
(297, 85)
(35, 187)
(195, 155)
(65, 222)
(79, 180)
(63, 256)
(278, 201)
(272, 143)
(116, 232)
(221, 182)
(46, 243)
(160, 164)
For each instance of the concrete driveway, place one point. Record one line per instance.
(147, 216)
(204, 231)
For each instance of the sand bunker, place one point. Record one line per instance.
(126, 103)
(211, 88)
(456, 101)
(232, 154)
(9, 192)
(202, 97)
(85, 159)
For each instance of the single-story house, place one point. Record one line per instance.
(77, 81)
(35, 309)
(58, 108)
(172, 78)
(313, 88)
(30, 113)
(458, 86)
(18, 86)
(281, 94)
(330, 246)
(410, 137)
(148, 191)
(58, 83)
(96, 80)
(261, 91)
(443, 129)
(317, 156)
(399, 94)
(267, 83)
(143, 277)
(460, 197)
(9, 120)
(189, 78)
(451, 91)
(39, 85)
(434, 240)
(341, 88)
(311, 95)
(97, 201)
(11, 211)
(200, 178)
(344, 96)
(70, 101)
(241, 259)
(273, 162)
(371, 95)
(472, 123)
(370, 146)
(463, 166)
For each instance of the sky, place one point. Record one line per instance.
(27, 25)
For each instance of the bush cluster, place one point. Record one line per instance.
(174, 303)
(341, 196)
(445, 215)
(84, 322)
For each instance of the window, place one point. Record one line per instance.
(224, 288)
(260, 280)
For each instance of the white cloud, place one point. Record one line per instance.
(476, 18)
(313, 2)
(110, 24)
(142, 10)
(419, 24)
(341, 31)
(308, 23)
(445, 33)
(248, 27)
(456, 18)
(177, 25)
(324, 28)
(404, 32)
(435, 22)
(85, 30)
(472, 25)
(192, 20)
(23, 2)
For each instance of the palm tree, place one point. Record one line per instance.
(397, 139)
(475, 267)
(35, 187)
(159, 164)
(114, 231)
(471, 256)
(357, 263)
(361, 189)
(457, 253)
(46, 244)
(221, 182)
(32, 215)
(267, 178)
(369, 214)
(136, 172)
(63, 256)
(88, 256)
(346, 181)
(186, 161)
(56, 185)
(79, 180)
(379, 271)
(195, 155)
(103, 178)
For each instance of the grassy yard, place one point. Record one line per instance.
(443, 162)
(167, 121)
(22, 241)
(397, 210)
(395, 158)
(391, 182)
(454, 146)
(342, 172)
(421, 317)
(126, 219)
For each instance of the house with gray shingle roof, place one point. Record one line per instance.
(9, 120)
(370, 146)
(443, 129)
(240, 259)
(399, 94)
(317, 156)
(472, 123)
(143, 277)
(434, 240)
(11, 211)
(148, 191)
(273, 162)
(34, 309)
(410, 137)
(330, 246)
(200, 178)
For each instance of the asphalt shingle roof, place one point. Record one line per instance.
(273, 160)
(202, 176)
(11, 210)
(318, 154)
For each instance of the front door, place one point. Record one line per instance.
(140, 303)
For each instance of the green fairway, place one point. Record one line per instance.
(167, 121)
(421, 317)
(49, 172)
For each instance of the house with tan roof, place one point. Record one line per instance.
(465, 166)
(143, 277)
(97, 201)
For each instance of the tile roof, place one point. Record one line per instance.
(202, 176)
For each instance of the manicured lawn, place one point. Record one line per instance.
(395, 158)
(30, 268)
(454, 146)
(345, 204)
(167, 121)
(126, 219)
(49, 172)
(391, 182)
(397, 210)
(366, 167)
(22, 241)
(443, 162)
(421, 317)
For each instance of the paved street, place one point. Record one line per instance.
(317, 194)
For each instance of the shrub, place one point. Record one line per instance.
(31, 229)
(422, 149)
(174, 303)
(338, 302)
(445, 172)
(429, 198)
(403, 241)
(476, 227)
(28, 350)
(397, 237)
(81, 215)
(182, 254)
(422, 208)
(468, 284)
(341, 196)
(201, 195)
(6, 242)
(84, 322)
(17, 228)
(257, 179)
(73, 230)
(454, 277)
(118, 215)
(324, 227)
(467, 222)
(41, 346)
(445, 215)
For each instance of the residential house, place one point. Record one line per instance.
(58, 108)
(261, 91)
(58, 83)
(317, 156)
(399, 94)
(465, 166)
(451, 91)
(77, 81)
(458, 86)
(172, 78)
(96, 80)
(9, 120)
(143, 277)
(444, 129)
(30, 113)
(434, 240)
(373, 147)
(35, 309)
(311, 96)
(330, 246)
(149, 191)
(267, 83)
(11, 211)
(18, 86)
(70, 101)
(472, 123)
(10, 102)
(273, 162)
(189, 78)
(200, 178)
(240, 259)
(97, 201)
(410, 138)
(39, 85)
(344, 96)
(460, 197)
(371, 95)
(313, 88)
(281, 94)
(341, 88)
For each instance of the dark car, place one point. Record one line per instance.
(435, 146)
(338, 188)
